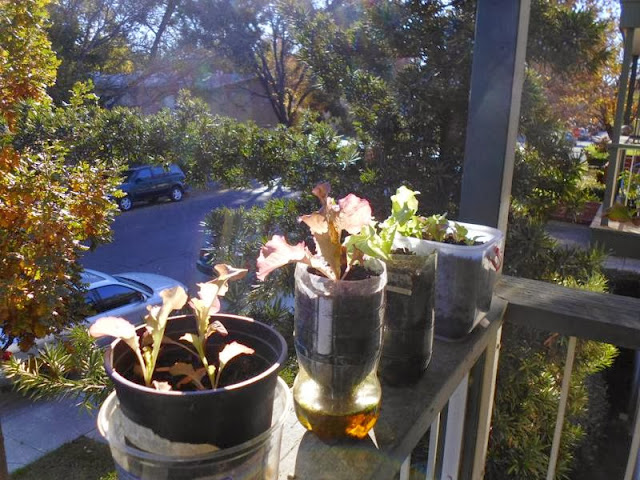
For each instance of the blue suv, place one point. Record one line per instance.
(150, 182)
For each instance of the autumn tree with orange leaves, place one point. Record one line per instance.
(49, 208)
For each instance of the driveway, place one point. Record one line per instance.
(165, 237)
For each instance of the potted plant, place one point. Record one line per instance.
(469, 260)
(192, 385)
(409, 313)
(339, 310)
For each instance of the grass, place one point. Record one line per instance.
(82, 459)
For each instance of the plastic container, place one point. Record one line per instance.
(408, 320)
(256, 459)
(338, 339)
(465, 278)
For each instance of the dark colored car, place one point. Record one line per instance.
(150, 182)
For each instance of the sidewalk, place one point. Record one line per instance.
(572, 234)
(31, 429)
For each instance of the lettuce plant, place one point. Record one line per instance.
(147, 348)
(405, 221)
(335, 256)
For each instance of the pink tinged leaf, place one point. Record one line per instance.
(316, 222)
(189, 337)
(215, 306)
(172, 299)
(322, 191)
(276, 253)
(186, 369)
(232, 350)
(112, 327)
(229, 273)
(216, 327)
(161, 386)
(355, 212)
(119, 328)
(207, 292)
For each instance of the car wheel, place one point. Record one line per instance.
(176, 194)
(125, 203)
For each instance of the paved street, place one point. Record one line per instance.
(165, 237)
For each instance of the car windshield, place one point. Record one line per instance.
(128, 281)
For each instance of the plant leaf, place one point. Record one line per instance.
(232, 350)
(619, 213)
(172, 299)
(328, 244)
(161, 386)
(369, 243)
(113, 327)
(277, 252)
(228, 273)
(404, 204)
(186, 369)
(322, 191)
(120, 328)
(316, 222)
(354, 213)
(216, 327)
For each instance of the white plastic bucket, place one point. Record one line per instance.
(256, 459)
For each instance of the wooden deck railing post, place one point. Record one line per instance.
(487, 395)
(564, 397)
(454, 433)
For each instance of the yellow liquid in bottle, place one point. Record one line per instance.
(334, 416)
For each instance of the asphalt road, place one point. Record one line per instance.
(165, 237)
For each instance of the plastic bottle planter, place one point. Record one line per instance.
(224, 417)
(256, 459)
(409, 312)
(338, 336)
(465, 277)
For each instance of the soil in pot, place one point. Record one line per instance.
(458, 285)
(409, 317)
(223, 417)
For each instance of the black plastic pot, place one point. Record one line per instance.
(338, 338)
(223, 417)
(408, 323)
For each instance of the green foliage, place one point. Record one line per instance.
(522, 431)
(545, 175)
(236, 235)
(49, 212)
(597, 154)
(73, 367)
(27, 62)
(531, 365)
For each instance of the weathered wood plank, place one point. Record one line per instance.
(406, 415)
(596, 316)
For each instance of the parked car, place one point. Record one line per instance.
(150, 182)
(124, 295)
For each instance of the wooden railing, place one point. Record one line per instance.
(446, 401)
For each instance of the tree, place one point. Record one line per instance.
(47, 207)
(27, 64)
(107, 36)
(254, 37)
